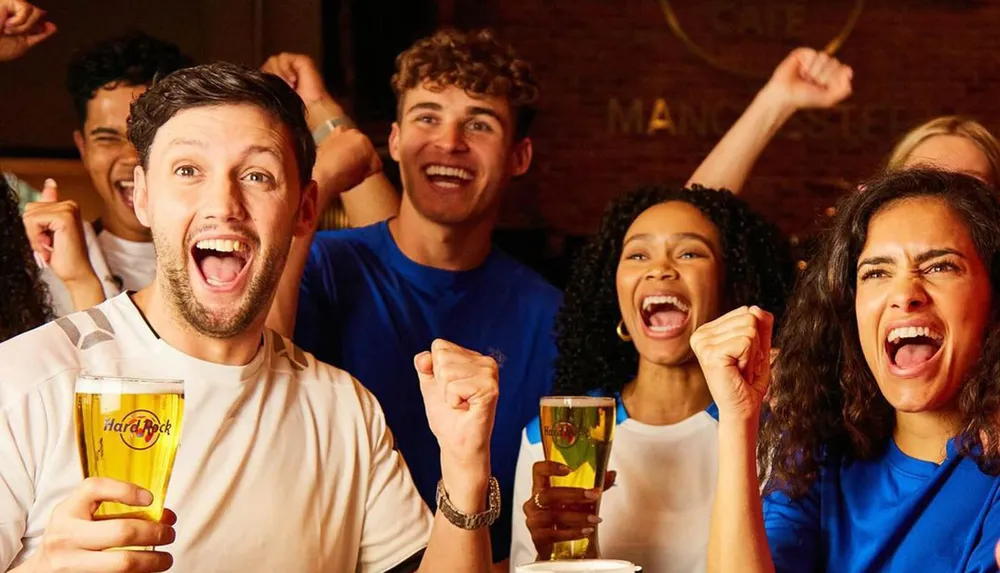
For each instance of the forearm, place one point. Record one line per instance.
(452, 548)
(729, 163)
(737, 538)
(374, 200)
(281, 317)
(85, 292)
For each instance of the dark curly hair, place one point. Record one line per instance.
(758, 271)
(221, 83)
(824, 402)
(475, 62)
(134, 59)
(24, 304)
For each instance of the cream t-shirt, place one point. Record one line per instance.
(132, 263)
(284, 464)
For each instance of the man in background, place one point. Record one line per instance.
(370, 297)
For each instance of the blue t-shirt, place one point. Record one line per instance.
(893, 513)
(365, 307)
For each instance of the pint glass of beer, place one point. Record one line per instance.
(128, 429)
(577, 432)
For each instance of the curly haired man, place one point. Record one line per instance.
(369, 299)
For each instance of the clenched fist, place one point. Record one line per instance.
(55, 230)
(22, 27)
(460, 389)
(735, 355)
(301, 74)
(807, 78)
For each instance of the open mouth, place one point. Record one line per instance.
(222, 262)
(910, 347)
(125, 188)
(664, 314)
(448, 176)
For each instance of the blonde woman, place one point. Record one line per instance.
(952, 143)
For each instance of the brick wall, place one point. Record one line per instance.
(912, 59)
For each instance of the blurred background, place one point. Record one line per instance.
(633, 91)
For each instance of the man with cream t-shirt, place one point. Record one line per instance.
(284, 463)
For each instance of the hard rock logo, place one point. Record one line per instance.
(563, 434)
(139, 429)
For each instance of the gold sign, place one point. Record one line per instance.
(711, 119)
(735, 35)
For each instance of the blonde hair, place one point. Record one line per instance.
(948, 125)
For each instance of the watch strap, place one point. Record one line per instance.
(324, 129)
(470, 521)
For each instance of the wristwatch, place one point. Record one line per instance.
(465, 520)
(326, 128)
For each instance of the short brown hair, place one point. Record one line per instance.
(221, 83)
(475, 62)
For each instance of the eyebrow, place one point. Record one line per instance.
(252, 150)
(675, 236)
(425, 105)
(478, 110)
(180, 142)
(919, 259)
(267, 149)
(471, 110)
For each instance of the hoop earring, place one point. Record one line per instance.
(623, 332)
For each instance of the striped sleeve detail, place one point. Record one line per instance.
(533, 431)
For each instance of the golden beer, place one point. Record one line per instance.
(128, 429)
(577, 432)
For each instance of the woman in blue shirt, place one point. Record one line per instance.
(879, 436)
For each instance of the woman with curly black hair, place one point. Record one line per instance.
(880, 437)
(23, 296)
(663, 262)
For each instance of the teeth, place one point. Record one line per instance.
(220, 245)
(913, 332)
(445, 171)
(649, 301)
(127, 184)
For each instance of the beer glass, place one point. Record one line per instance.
(128, 429)
(577, 432)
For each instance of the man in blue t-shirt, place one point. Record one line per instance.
(369, 299)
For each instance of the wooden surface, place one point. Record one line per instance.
(74, 182)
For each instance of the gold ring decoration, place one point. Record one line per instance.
(538, 504)
(830, 49)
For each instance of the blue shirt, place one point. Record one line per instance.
(893, 513)
(365, 307)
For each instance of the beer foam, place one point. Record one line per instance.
(88, 384)
(577, 401)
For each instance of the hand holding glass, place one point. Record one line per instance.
(577, 432)
(128, 429)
